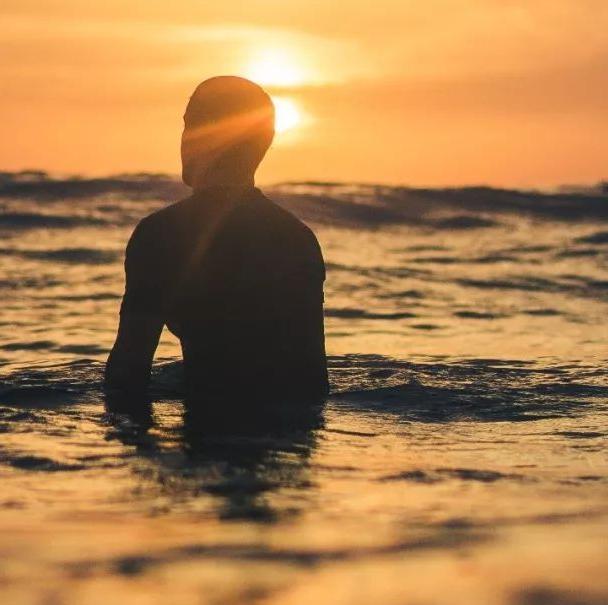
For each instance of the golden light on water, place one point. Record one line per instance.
(287, 114)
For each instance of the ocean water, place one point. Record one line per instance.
(460, 459)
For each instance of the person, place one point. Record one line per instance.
(235, 277)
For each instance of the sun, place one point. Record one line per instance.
(278, 68)
(286, 114)
(275, 68)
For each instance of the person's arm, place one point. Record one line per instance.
(128, 367)
(130, 361)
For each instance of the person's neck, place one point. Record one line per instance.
(219, 181)
(233, 189)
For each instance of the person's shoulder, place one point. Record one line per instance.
(160, 221)
(286, 219)
(153, 229)
(164, 216)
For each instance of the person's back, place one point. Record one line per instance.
(240, 282)
(238, 279)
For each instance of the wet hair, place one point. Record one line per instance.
(232, 119)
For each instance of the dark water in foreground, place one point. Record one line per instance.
(461, 458)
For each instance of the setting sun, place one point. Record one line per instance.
(278, 67)
(287, 114)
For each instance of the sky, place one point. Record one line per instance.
(433, 93)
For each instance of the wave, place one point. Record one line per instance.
(41, 185)
(33, 220)
(341, 204)
(442, 474)
(440, 209)
(22, 282)
(430, 391)
(86, 256)
(601, 237)
(577, 285)
(352, 313)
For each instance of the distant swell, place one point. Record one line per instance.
(42, 186)
(354, 205)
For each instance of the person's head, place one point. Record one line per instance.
(228, 127)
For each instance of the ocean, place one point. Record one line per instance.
(461, 457)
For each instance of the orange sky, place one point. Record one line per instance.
(440, 92)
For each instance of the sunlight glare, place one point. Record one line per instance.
(287, 114)
(275, 68)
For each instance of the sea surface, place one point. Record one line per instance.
(460, 459)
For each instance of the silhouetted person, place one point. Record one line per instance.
(235, 277)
